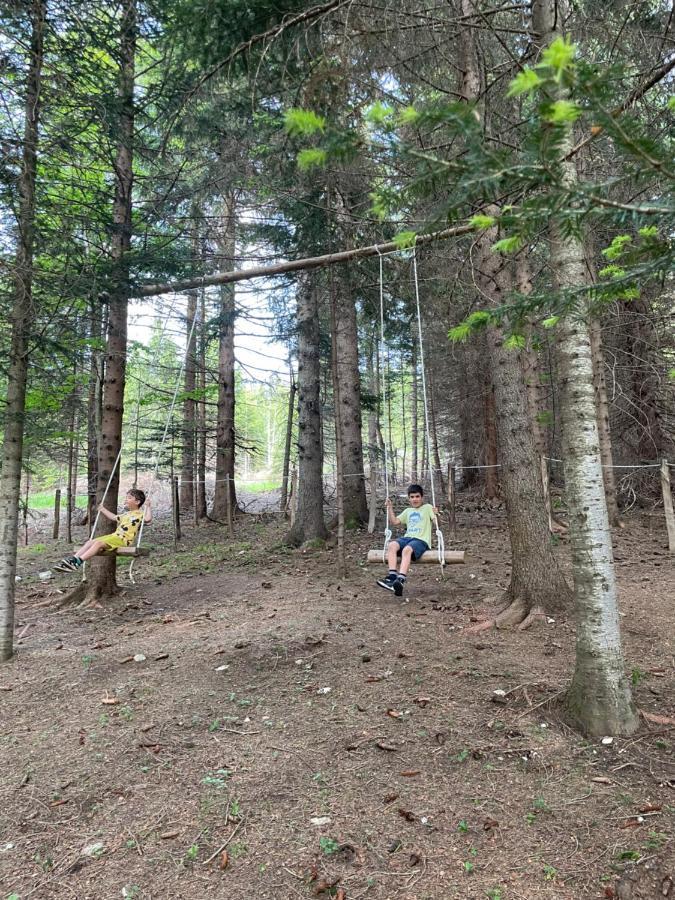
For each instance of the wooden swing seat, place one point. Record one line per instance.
(429, 556)
(127, 551)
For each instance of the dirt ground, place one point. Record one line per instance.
(243, 724)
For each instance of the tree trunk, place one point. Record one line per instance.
(414, 416)
(373, 444)
(340, 429)
(201, 510)
(491, 459)
(283, 500)
(601, 402)
(21, 319)
(97, 330)
(348, 394)
(599, 700)
(187, 493)
(101, 570)
(433, 429)
(308, 524)
(537, 585)
(532, 373)
(225, 434)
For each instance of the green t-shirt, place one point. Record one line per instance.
(418, 522)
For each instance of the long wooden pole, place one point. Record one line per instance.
(295, 265)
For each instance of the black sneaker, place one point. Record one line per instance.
(398, 587)
(68, 564)
(387, 583)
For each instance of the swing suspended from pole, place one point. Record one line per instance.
(440, 554)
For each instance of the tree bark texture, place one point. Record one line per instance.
(20, 324)
(292, 388)
(346, 340)
(537, 586)
(225, 433)
(101, 570)
(532, 369)
(201, 508)
(187, 479)
(599, 700)
(414, 417)
(309, 523)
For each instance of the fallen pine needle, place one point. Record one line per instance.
(224, 845)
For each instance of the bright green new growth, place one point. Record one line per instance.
(524, 83)
(481, 222)
(508, 245)
(476, 320)
(559, 56)
(303, 122)
(405, 240)
(380, 114)
(311, 157)
(562, 111)
(515, 342)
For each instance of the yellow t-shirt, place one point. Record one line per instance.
(418, 522)
(127, 526)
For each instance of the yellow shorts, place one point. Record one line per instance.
(112, 541)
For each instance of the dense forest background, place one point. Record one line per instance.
(496, 184)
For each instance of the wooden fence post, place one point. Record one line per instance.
(228, 498)
(451, 500)
(175, 509)
(668, 504)
(57, 513)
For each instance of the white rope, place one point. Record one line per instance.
(98, 511)
(163, 441)
(439, 536)
(387, 529)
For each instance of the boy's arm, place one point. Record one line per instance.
(393, 520)
(147, 518)
(106, 512)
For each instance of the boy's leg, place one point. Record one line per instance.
(390, 579)
(84, 547)
(406, 559)
(94, 548)
(87, 550)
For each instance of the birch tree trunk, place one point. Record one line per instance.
(599, 699)
(308, 523)
(20, 323)
(101, 570)
(225, 434)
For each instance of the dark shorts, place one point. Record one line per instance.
(418, 547)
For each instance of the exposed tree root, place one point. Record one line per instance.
(81, 598)
(515, 613)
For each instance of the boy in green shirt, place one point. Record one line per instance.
(418, 519)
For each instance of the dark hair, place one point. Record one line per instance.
(137, 495)
(415, 489)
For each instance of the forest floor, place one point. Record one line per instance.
(243, 724)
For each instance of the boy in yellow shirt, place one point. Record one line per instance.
(124, 535)
(418, 519)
